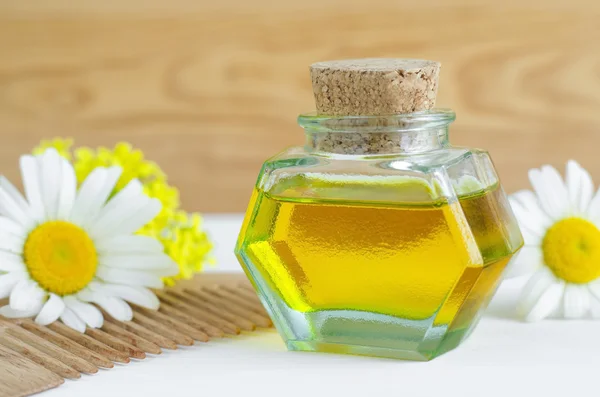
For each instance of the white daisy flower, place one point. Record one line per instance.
(62, 248)
(560, 224)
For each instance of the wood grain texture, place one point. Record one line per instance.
(35, 357)
(22, 377)
(211, 89)
(38, 357)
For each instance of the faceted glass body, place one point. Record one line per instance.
(393, 253)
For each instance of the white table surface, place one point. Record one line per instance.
(502, 357)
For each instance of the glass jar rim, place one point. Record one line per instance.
(399, 122)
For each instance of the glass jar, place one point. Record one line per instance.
(377, 237)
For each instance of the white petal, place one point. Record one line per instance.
(88, 313)
(129, 277)
(68, 191)
(529, 238)
(11, 243)
(90, 188)
(580, 187)
(129, 193)
(576, 301)
(70, 319)
(51, 311)
(540, 296)
(9, 226)
(11, 210)
(8, 281)
(14, 193)
(558, 312)
(99, 200)
(138, 295)
(547, 303)
(142, 216)
(551, 191)
(527, 261)
(140, 261)
(50, 181)
(115, 307)
(30, 173)
(535, 286)
(9, 312)
(594, 307)
(171, 270)
(594, 288)
(530, 215)
(128, 244)
(11, 262)
(26, 295)
(128, 200)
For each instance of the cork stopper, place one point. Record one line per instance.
(374, 86)
(381, 94)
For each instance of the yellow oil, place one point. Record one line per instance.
(413, 261)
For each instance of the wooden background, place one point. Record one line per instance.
(209, 89)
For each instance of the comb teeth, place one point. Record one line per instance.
(189, 315)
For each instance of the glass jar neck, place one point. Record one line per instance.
(408, 133)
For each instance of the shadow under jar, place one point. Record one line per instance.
(377, 237)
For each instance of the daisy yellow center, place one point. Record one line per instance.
(571, 249)
(60, 257)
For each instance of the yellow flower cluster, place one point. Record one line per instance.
(181, 233)
(62, 146)
(134, 165)
(187, 244)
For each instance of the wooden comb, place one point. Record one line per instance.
(35, 358)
